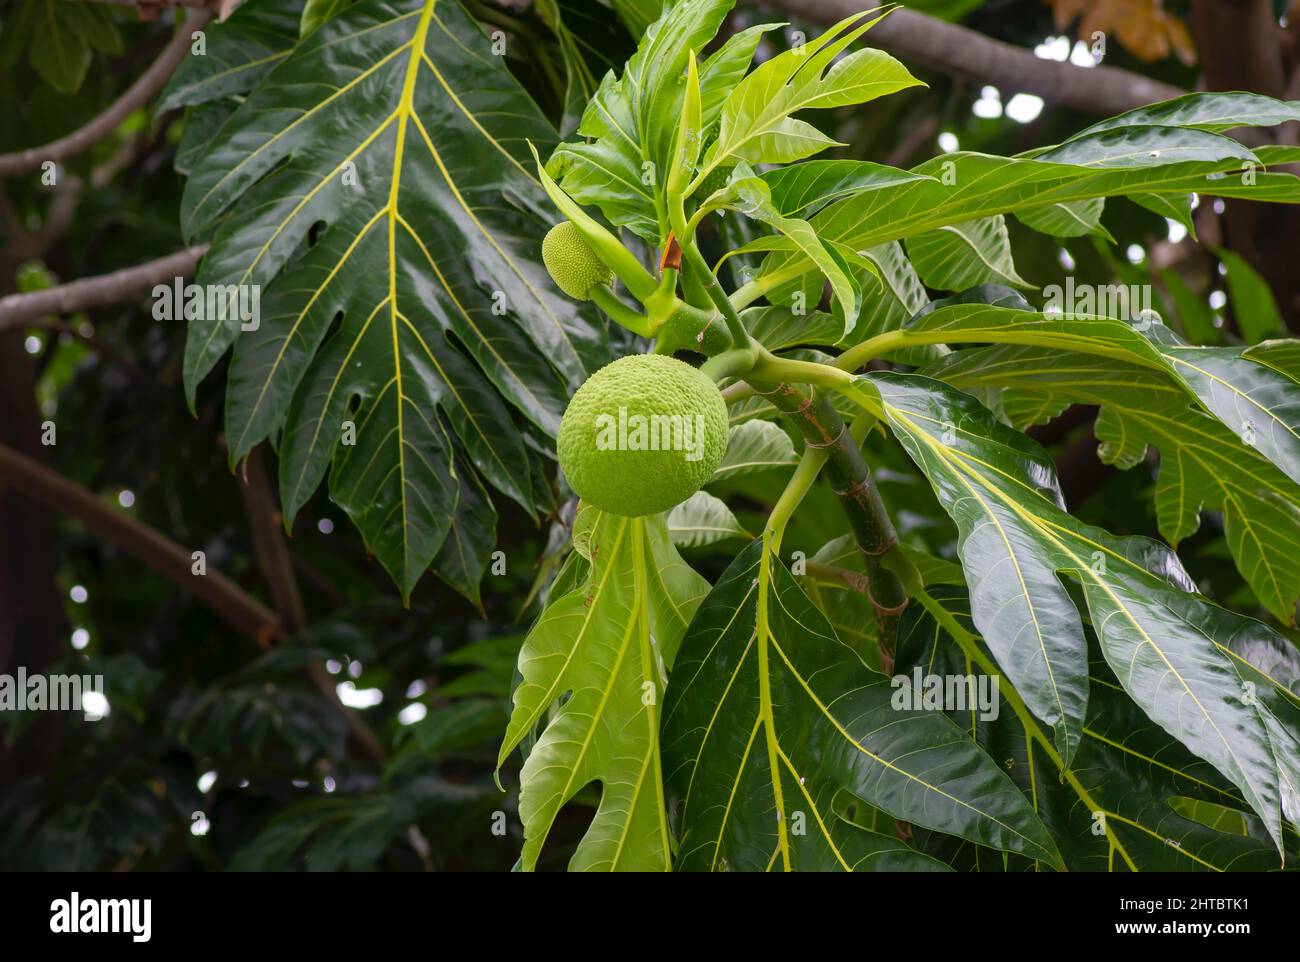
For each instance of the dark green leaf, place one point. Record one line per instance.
(1158, 636)
(238, 53)
(391, 221)
(769, 717)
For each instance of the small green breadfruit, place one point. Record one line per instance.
(715, 181)
(572, 263)
(642, 435)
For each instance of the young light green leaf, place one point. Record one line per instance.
(702, 520)
(606, 645)
(804, 189)
(724, 68)
(895, 294)
(631, 124)
(690, 135)
(965, 255)
(752, 197)
(756, 446)
(1077, 219)
(756, 123)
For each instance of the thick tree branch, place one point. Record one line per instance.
(16, 310)
(1241, 45)
(970, 55)
(268, 542)
(31, 615)
(136, 96)
(231, 603)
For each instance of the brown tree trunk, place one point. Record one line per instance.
(1242, 48)
(31, 621)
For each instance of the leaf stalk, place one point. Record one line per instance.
(889, 573)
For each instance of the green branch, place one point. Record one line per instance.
(888, 572)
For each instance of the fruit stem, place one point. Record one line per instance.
(620, 313)
(608, 248)
(731, 363)
(699, 267)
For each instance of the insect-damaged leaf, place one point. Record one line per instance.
(375, 189)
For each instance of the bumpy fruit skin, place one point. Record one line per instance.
(618, 479)
(573, 265)
(716, 180)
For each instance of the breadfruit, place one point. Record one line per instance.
(642, 435)
(572, 263)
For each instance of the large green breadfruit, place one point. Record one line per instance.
(642, 435)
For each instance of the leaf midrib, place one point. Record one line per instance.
(1085, 570)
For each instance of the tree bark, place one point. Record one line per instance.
(965, 53)
(1241, 48)
(41, 486)
(19, 309)
(31, 621)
